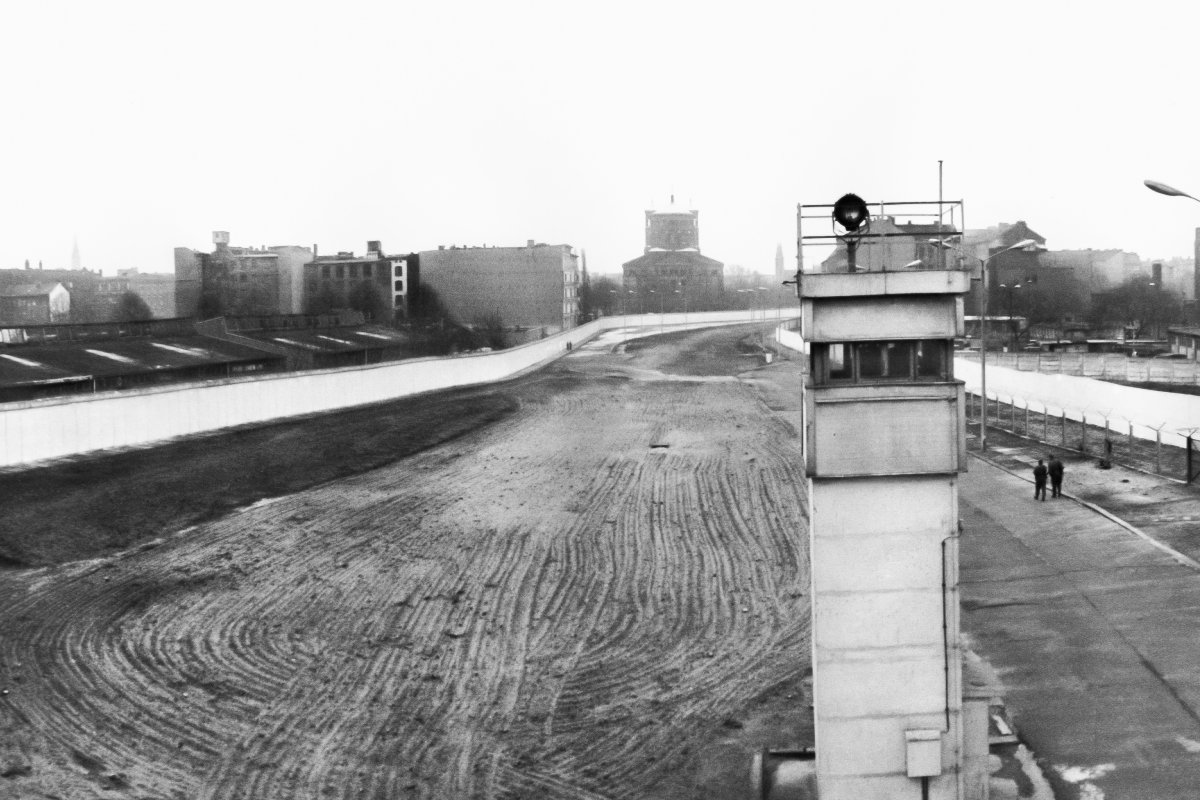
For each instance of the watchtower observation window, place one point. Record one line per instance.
(881, 362)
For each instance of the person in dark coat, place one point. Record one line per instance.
(1039, 481)
(1055, 470)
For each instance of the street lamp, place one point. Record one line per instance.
(1171, 191)
(983, 304)
(1012, 329)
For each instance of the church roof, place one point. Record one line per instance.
(663, 257)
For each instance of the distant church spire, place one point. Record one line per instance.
(76, 261)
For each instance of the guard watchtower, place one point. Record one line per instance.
(884, 443)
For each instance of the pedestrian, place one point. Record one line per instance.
(1056, 470)
(1039, 481)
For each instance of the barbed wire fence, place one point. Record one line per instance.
(1171, 453)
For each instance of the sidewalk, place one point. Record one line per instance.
(1094, 631)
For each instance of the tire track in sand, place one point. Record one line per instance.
(550, 607)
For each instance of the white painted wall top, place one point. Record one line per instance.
(860, 284)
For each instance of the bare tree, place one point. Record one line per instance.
(370, 299)
(491, 328)
(132, 308)
(1138, 305)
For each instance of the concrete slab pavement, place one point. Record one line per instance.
(1095, 633)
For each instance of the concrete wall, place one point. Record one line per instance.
(33, 431)
(791, 339)
(880, 660)
(1078, 397)
(883, 430)
(919, 317)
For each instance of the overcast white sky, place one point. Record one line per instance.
(141, 126)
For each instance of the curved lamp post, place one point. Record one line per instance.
(983, 304)
(1170, 191)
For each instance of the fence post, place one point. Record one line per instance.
(1131, 437)
(1083, 432)
(1064, 427)
(1158, 450)
(1108, 443)
(1027, 415)
(1188, 462)
(1045, 423)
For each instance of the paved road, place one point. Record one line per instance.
(1096, 634)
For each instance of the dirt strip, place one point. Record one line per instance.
(600, 593)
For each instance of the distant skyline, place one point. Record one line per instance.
(139, 127)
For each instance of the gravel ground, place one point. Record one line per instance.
(590, 582)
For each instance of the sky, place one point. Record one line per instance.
(137, 127)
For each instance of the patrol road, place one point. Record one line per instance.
(599, 593)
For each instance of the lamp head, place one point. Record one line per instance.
(850, 211)
(1162, 188)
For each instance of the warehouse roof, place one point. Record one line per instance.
(63, 362)
(332, 340)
